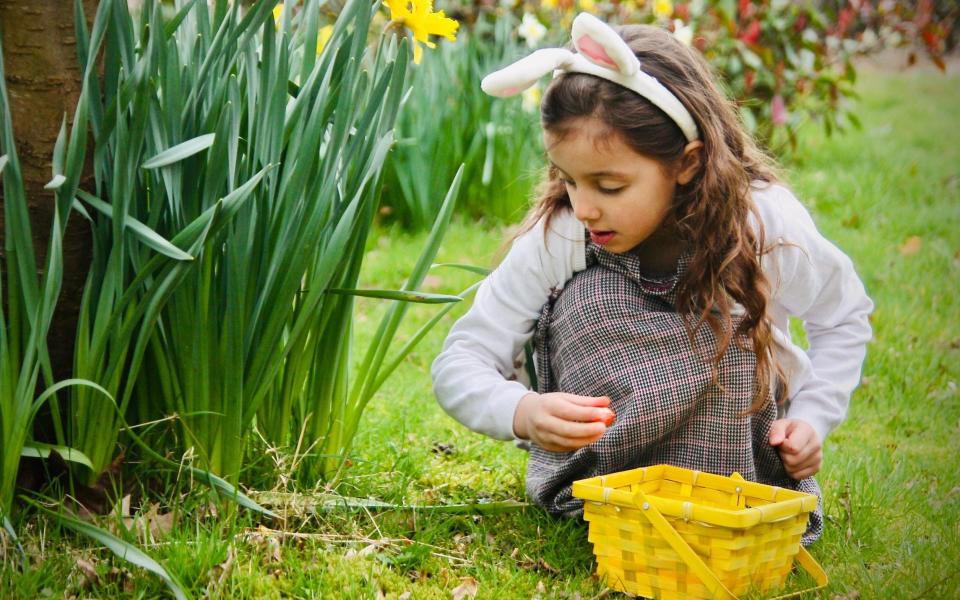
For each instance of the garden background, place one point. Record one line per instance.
(248, 174)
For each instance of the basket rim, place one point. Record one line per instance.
(778, 503)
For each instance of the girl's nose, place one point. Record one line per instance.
(584, 208)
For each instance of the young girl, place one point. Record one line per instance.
(656, 276)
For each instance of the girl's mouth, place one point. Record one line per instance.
(601, 238)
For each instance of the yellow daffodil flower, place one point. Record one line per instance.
(549, 4)
(531, 99)
(588, 5)
(323, 36)
(418, 16)
(663, 8)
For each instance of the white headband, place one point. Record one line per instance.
(600, 52)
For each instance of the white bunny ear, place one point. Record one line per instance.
(601, 53)
(517, 77)
(601, 45)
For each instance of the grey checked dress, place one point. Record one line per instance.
(613, 332)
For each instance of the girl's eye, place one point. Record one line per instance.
(610, 191)
(569, 182)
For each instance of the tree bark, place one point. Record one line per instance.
(43, 83)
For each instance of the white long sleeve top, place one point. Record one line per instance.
(810, 278)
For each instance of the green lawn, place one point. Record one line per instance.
(889, 195)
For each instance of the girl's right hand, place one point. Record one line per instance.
(560, 422)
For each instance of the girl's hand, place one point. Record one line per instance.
(561, 422)
(799, 446)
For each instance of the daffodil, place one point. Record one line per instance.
(682, 32)
(549, 4)
(531, 99)
(531, 29)
(588, 5)
(323, 36)
(419, 17)
(663, 9)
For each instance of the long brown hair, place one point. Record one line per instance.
(711, 213)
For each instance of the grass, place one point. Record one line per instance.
(889, 195)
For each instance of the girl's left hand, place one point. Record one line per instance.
(799, 445)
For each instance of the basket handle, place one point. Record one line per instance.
(811, 566)
(700, 568)
(681, 547)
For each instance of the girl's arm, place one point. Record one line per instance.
(472, 374)
(814, 280)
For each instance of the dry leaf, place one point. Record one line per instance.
(911, 246)
(222, 571)
(405, 596)
(467, 588)
(263, 539)
(152, 524)
(89, 571)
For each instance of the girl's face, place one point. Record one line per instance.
(621, 196)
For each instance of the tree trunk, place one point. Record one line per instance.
(43, 82)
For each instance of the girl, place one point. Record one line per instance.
(656, 275)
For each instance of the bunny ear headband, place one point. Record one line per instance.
(600, 52)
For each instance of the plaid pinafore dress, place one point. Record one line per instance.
(612, 331)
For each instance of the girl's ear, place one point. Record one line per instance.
(690, 162)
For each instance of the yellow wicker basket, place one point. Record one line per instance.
(668, 532)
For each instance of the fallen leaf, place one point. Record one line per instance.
(911, 246)
(88, 571)
(405, 596)
(222, 571)
(150, 523)
(467, 588)
(263, 539)
(539, 591)
(371, 548)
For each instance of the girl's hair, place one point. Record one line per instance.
(711, 213)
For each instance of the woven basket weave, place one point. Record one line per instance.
(668, 532)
